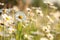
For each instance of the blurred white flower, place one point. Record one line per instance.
(53, 1)
(15, 8)
(1, 3)
(45, 29)
(7, 19)
(50, 36)
(43, 38)
(39, 12)
(28, 10)
(48, 2)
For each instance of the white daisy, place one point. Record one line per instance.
(15, 8)
(28, 10)
(45, 29)
(39, 12)
(1, 3)
(7, 19)
(48, 2)
(50, 36)
(26, 36)
(20, 16)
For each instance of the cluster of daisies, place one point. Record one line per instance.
(9, 18)
(34, 15)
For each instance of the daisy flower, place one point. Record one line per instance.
(45, 29)
(50, 36)
(7, 19)
(20, 16)
(28, 10)
(39, 12)
(15, 8)
(1, 3)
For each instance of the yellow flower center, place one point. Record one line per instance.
(7, 18)
(20, 17)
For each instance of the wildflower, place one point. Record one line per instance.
(28, 10)
(7, 19)
(25, 35)
(20, 16)
(1, 3)
(39, 12)
(45, 29)
(50, 36)
(43, 38)
(15, 8)
(49, 3)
